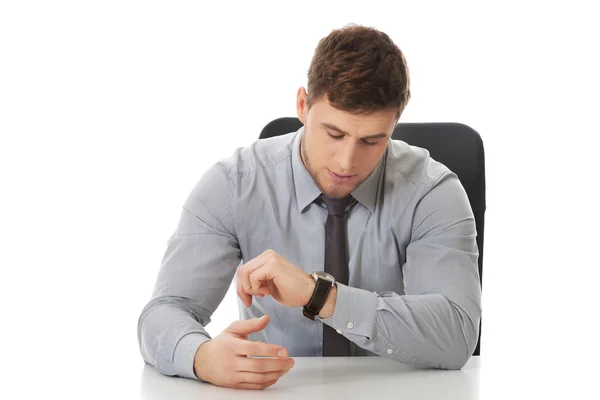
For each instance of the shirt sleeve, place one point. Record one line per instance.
(197, 268)
(435, 323)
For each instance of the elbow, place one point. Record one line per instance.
(453, 357)
(464, 341)
(450, 358)
(455, 360)
(462, 347)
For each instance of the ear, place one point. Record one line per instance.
(302, 105)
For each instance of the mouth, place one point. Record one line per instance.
(340, 178)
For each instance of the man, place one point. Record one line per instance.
(387, 233)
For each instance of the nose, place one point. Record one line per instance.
(346, 157)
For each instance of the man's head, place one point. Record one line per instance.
(358, 86)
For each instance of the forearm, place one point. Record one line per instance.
(427, 330)
(169, 334)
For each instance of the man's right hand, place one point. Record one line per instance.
(226, 359)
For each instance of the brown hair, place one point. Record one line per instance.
(360, 70)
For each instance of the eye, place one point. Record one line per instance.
(341, 136)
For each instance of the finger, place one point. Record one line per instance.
(253, 377)
(244, 286)
(259, 349)
(263, 290)
(244, 289)
(259, 279)
(263, 365)
(268, 288)
(246, 298)
(255, 386)
(248, 326)
(259, 260)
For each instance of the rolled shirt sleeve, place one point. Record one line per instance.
(185, 351)
(197, 269)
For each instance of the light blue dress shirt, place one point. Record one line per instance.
(413, 293)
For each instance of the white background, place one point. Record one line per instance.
(110, 112)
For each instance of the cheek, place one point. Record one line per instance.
(322, 156)
(366, 162)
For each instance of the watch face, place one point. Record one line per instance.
(324, 275)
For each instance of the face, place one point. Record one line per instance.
(340, 149)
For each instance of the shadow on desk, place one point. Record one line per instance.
(352, 377)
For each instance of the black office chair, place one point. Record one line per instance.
(455, 145)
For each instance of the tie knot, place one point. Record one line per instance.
(337, 206)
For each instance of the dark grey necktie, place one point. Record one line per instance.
(336, 264)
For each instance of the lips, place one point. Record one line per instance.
(340, 178)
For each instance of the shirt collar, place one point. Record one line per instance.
(307, 191)
(366, 192)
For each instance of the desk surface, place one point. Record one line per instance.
(322, 377)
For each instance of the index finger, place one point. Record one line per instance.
(244, 272)
(260, 349)
(257, 262)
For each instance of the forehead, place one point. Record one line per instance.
(353, 123)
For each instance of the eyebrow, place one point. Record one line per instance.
(335, 128)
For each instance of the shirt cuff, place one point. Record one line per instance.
(185, 351)
(354, 311)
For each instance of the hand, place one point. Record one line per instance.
(270, 274)
(225, 360)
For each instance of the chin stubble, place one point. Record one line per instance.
(306, 161)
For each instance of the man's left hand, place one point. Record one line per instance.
(270, 274)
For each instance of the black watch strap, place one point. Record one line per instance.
(317, 301)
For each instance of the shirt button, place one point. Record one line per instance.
(350, 325)
(339, 331)
(390, 351)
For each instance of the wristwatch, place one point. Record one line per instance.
(324, 282)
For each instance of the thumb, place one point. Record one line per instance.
(248, 326)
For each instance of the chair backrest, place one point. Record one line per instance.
(455, 145)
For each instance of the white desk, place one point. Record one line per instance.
(334, 378)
